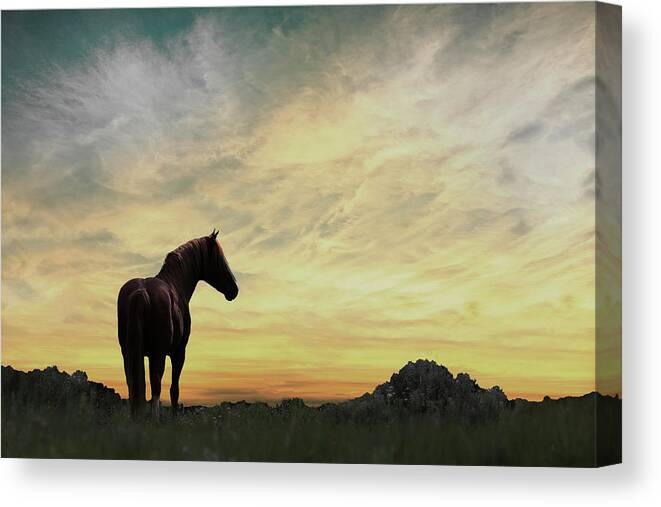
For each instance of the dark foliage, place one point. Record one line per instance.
(422, 415)
(425, 387)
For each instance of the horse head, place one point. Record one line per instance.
(217, 272)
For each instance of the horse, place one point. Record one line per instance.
(153, 316)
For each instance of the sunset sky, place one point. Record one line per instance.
(391, 183)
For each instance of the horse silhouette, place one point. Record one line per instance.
(153, 316)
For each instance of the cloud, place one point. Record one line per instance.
(525, 133)
(521, 228)
(22, 289)
(101, 237)
(480, 34)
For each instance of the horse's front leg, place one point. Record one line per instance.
(156, 369)
(177, 365)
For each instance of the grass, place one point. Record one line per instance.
(552, 433)
(531, 436)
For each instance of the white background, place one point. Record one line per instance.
(636, 482)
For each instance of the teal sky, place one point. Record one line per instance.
(34, 41)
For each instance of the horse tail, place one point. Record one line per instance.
(137, 313)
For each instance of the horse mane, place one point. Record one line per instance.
(184, 256)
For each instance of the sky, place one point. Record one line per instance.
(390, 183)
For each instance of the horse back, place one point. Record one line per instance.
(161, 325)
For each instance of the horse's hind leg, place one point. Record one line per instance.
(156, 368)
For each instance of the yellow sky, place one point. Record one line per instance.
(418, 183)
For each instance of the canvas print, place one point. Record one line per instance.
(337, 234)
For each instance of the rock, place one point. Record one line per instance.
(425, 386)
(52, 388)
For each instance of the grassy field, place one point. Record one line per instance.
(69, 423)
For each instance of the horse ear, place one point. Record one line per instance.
(214, 233)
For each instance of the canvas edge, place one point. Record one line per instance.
(608, 229)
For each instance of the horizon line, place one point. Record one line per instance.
(317, 402)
